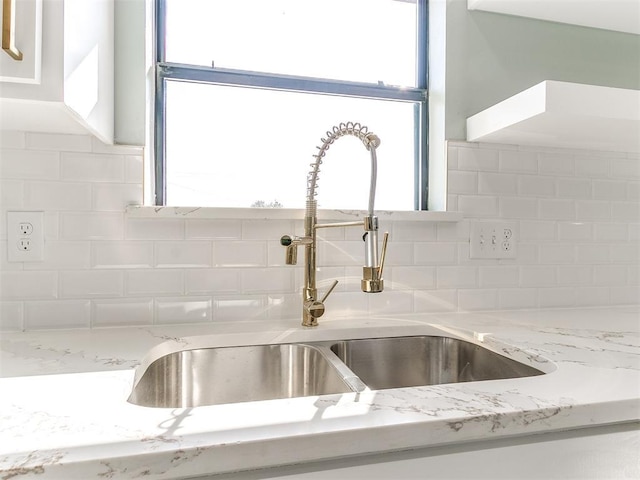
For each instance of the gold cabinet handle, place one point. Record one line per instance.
(9, 29)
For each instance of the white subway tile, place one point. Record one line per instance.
(629, 295)
(391, 302)
(610, 232)
(477, 159)
(537, 231)
(518, 161)
(412, 278)
(341, 253)
(462, 182)
(28, 285)
(239, 307)
(556, 164)
(595, 167)
(213, 281)
(344, 304)
(12, 139)
(518, 207)
(29, 165)
(57, 196)
(122, 255)
(115, 197)
(134, 169)
(183, 310)
(556, 297)
(239, 254)
(88, 167)
(154, 282)
(5, 265)
(634, 232)
(592, 254)
(527, 255)
(633, 191)
(434, 253)
(625, 211)
(11, 317)
(456, 277)
(610, 274)
(574, 231)
(553, 253)
(557, 209)
(500, 276)
(255, 229)
(480, 299)
(433, 301)
(281, 306)
(122, 312)
(625, 253)
(515, 298)
(452, 156)
(592, 296)
(497, 183)
(536, 186)
(575, 275)
(62, 255)
(154, 229)
(11, 194)
(593, 210)
(213, 229)
(453, 231)
(633, 277)
(574, 188)
(452, 203)
(57, 314)
(92, 226)
(183, 254)
(628, 169)
(265, 280)
(609, 190)
(58, 142)
(411, 231)
(478, 205)
(90, 284)
(537, 276)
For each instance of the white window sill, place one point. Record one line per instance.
(139, 211)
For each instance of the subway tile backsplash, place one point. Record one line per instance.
(577, 216)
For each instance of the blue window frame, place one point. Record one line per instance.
(174, 73)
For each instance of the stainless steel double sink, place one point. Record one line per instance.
(212, 376)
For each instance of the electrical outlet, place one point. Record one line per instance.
(493, 240)
(25, 236)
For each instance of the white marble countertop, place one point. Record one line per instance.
(64, 412)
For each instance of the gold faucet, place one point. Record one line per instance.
(372, 282)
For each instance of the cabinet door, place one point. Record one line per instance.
(26, 29)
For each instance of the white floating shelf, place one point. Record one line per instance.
(561, 114)
(618, 15)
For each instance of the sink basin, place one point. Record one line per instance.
(212, 376)
(424, 360)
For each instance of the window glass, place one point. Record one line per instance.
(239, 147)
(357, 40)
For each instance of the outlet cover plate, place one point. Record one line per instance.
(25, 236)
(493, 240)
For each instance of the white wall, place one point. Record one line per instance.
(490, 57)
(578, 215)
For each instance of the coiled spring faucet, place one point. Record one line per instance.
(372, 282)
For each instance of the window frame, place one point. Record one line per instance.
(168, 71)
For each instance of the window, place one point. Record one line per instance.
(246, 89)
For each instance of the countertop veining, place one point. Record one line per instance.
(64, 412)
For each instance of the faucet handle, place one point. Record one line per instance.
(291, 244)
(328, 292)
(383, 255)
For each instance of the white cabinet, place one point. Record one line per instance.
(74, 91)
(23, 19)
(565, 115)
